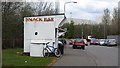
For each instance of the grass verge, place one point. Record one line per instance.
(13, 57)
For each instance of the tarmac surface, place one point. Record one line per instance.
(93, 55)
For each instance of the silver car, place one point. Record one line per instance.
(111, 42)
(102, 41)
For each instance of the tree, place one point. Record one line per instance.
(114, 24)
(106, 21)
(66, 25)
(10, 19)
(119, 24)
(77, 31)
(70, 30)
(43, 8)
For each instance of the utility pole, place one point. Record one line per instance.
(91, 27)
(71, 17)
(105, 30)
(82, 28)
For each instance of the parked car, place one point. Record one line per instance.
(102, 42)
(94, 42)
(86, 43)
(111, 42)
(79, 43)
(71, 41)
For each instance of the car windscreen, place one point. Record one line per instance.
(112, 40)
(79, 40)
(96, 40)
(102, 40)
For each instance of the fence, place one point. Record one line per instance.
(12, 43)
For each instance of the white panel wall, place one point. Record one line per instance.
(36, 50)
(27, 45)
(46, 30)
(28, 29)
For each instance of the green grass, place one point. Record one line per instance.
(12, 57)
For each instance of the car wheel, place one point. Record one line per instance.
(83, 47)
(74, 47)
(115, 44)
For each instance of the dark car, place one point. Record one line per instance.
(63, 41)
(79, 43)
(61, 44)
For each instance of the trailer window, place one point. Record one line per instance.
(36, 33)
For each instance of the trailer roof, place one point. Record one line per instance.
(45, 15)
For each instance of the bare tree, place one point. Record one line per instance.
(43, 8)
(12, 20)
(114, 24)
(106, 22)
(9, 17)
(10, 7)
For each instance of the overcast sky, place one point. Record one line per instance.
(86, 9)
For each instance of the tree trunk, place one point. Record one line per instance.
(13, 43)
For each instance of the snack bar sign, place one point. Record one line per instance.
(38, 19)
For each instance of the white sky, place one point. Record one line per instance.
(85, 9)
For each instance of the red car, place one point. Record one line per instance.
(71, 42)
(79, 43)
(94, 42)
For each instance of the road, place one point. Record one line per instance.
(91, 56)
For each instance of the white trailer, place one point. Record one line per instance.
(39, 30)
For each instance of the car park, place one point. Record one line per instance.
(79, 43)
